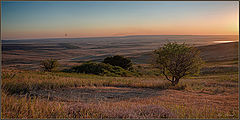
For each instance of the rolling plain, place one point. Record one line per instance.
(28, 92)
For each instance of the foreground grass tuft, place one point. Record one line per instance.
(14, 107)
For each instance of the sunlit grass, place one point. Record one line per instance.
(15, 107)
(25, 81)
(21, 82)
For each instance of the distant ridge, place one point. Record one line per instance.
(109, 37)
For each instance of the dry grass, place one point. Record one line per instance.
(176, 107)
(210, 96)
(14, 107)
(21, 82)
(24, 107)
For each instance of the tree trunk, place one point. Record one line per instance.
(174, 82)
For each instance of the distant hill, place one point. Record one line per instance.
(28, 53)
(216, 52)
(220, 52)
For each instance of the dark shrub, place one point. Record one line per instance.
(49, 65)
(100, 69)
(120, 61)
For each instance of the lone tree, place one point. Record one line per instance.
(118, 60)
(49, 65)
(177, 60)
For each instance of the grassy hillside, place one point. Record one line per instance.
(35, 94)
(216, 52)
(220, 52)
(29, 94)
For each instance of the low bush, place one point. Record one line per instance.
(120, 61)
(101, 69)
(49, 65)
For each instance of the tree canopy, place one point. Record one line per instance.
(177, 60)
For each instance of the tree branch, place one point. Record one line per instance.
(166, 76)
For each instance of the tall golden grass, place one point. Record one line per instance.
(16, 84)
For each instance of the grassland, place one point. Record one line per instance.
(28, 93)
(34, 94)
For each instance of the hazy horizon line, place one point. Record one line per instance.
(120, 36)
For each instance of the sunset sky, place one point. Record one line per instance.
(28, 20)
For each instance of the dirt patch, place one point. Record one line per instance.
(95, 94)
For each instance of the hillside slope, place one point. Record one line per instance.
(216, 52)
(220, 52)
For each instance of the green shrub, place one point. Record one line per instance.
(177, 60)
(100, 69)
(120, 61)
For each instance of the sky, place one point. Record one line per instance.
(54, 19)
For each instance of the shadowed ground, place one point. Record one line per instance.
(95, 94)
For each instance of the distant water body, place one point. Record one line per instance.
(224, 41)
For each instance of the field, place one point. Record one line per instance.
(30, 93)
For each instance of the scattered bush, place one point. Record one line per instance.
(49, 65)
(100, 69)
(120, 61)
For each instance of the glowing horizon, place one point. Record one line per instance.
(35, 20)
